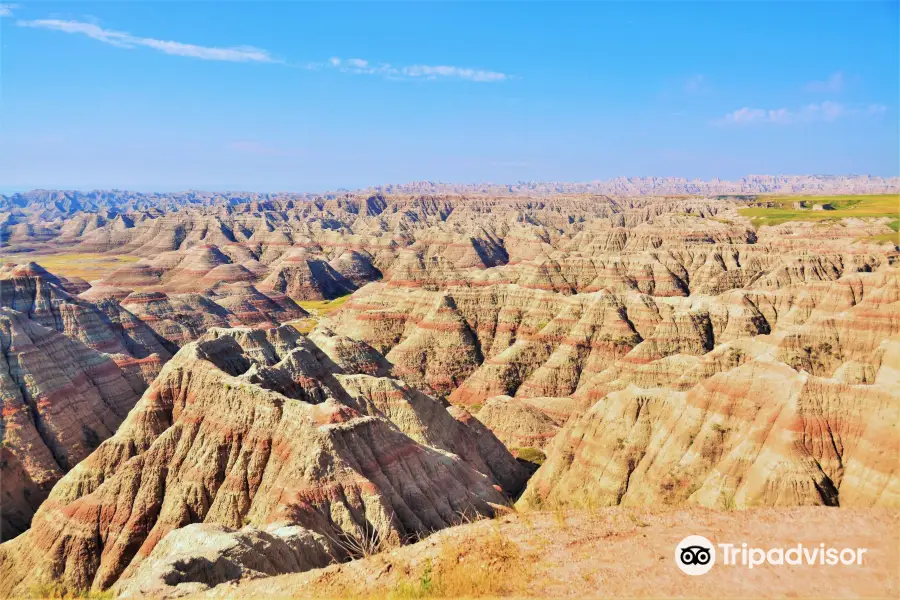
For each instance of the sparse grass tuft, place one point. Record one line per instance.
(57, 591)
(366, 542)
(728, 501)
(492, 566)
(637, 520)
(719, 428)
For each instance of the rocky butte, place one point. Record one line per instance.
(259, 385)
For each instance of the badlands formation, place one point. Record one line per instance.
(166, 430)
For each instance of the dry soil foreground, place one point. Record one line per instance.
(614, 552)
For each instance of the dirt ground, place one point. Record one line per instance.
(611, 552)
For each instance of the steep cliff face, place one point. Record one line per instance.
(60, 400)
(261, 427)
(73, 370)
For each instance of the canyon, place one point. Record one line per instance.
(257, 385)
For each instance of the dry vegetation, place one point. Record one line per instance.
(53, 591)
(88, 266)
(491, 566)
(603, 552)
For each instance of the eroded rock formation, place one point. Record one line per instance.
(261, 427)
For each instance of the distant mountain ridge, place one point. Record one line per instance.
(70, 201)
(652, 186)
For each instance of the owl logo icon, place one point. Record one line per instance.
(695, 555)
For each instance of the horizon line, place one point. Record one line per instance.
(240, 189)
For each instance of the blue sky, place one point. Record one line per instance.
(312, 96)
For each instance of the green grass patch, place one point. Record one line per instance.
(862, 207)
(323, 307)
(894, 237)
(304, 326)
(532, 455)
(316, 309)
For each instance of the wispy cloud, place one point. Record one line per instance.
(361, 66)
(822, 112)
(365, 67)
(6, 10)
(835, 83)
(126, 40)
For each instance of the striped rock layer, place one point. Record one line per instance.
(262, 428)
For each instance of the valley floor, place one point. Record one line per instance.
(611, 552)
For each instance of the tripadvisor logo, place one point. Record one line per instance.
(696, 555)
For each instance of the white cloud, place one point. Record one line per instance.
(821, 112)
(6, 9)
(364, 67)
(457, 72)
(126, 40)
(826, 111)
(834, 83)
(746, 115)
(361, 66)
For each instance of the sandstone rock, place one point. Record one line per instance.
(60, 400)
(304, 278)
(200, 556)
(760, 434)
(221, 438)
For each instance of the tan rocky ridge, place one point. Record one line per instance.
(263, 429)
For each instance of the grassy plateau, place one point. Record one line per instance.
(87, 266)
(862, 207)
